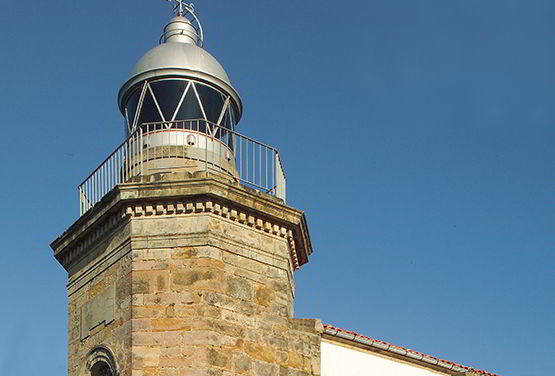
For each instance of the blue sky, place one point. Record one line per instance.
(417, 136)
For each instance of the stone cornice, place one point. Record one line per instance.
(207, 194)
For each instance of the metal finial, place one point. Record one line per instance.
(181, 8)
(187, 11)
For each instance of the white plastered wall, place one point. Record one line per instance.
(341, 360)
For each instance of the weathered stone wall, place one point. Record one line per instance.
(99, 302)
(214, 297)
(188, 278)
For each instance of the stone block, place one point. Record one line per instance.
(260, 352)
(150, 254)
(238, 288)
(170, 372)
(166, 298)
(175, 351)
(294, 360)
(242, 364)
(225, 302)
(149, 265)
(196, 252)
(227, 328)
(170, 324)
(141, 325)
(218, 357)
(145, 356)
(266, 369)
(150, 281)
(179, 361)
(207, 337)
(155, 338)
(193, 263)
(264, 295)
(153, 311)
(197, 279)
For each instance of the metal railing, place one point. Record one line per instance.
(189, 144)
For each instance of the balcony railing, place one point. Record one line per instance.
(198, 144)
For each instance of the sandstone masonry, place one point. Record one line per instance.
(188, 275)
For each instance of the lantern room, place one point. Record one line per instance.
(178, 95)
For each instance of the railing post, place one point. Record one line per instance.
(205, 149)
(278, 177)
(81, 209)
(142, 148)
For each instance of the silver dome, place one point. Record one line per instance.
(180, 55)
(185, 60)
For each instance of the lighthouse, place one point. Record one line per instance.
(183, 259)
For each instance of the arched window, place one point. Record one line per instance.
(101, 362)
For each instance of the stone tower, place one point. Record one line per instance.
(183, 259)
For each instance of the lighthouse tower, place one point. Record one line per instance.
(183, 259)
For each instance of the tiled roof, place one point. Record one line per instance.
(398, 350)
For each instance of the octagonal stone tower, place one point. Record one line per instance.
(181, 263)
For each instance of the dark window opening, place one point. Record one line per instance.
(168, 94)
(190, 108)
(101, 369)
(149, 112)
(132, 103)
(211, 100)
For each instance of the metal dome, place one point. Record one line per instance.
(178, 59)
